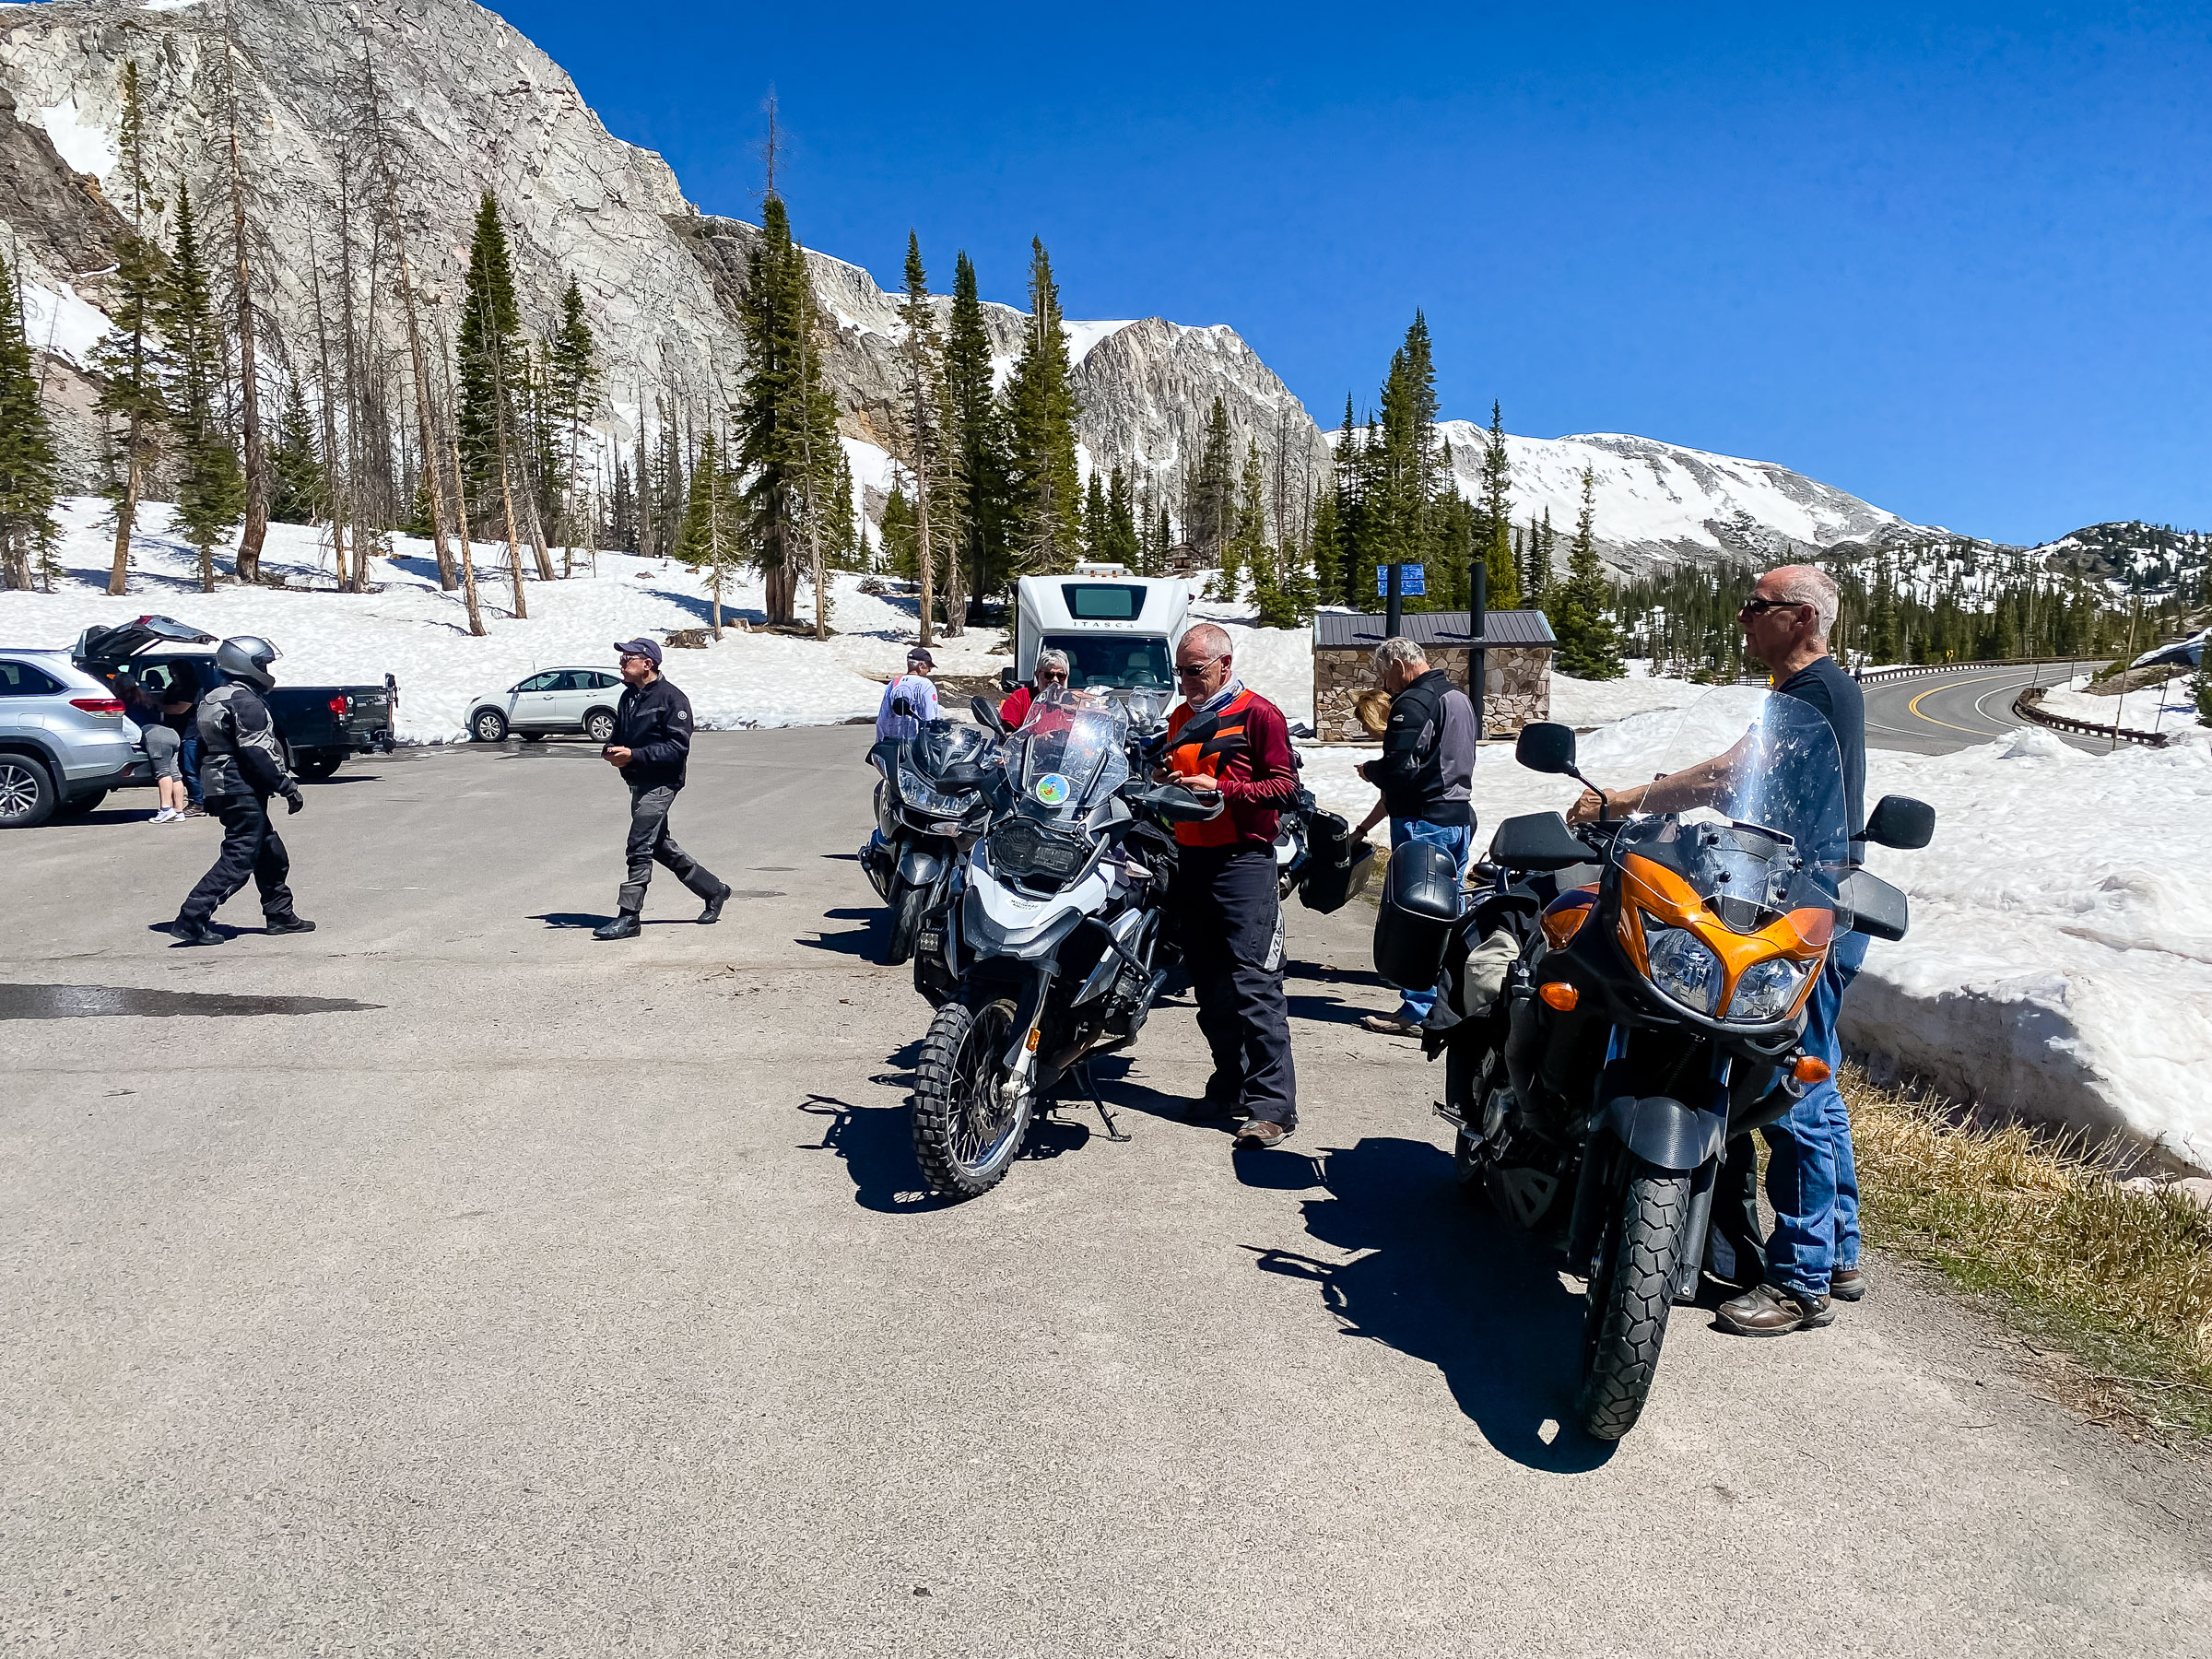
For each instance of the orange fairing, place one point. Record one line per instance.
(1801, 935)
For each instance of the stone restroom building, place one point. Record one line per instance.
(1516, 646)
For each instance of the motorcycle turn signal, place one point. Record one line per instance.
(1809, 1070)
(1558, 995)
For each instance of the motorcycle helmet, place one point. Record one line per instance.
(247, 658)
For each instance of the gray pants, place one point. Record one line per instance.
(650, 843)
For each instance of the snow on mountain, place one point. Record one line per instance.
(1660, 503)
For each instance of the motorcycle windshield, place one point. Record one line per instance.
(1748, 817)
(1070, 754)
(940, 744)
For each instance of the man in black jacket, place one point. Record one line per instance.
(242, 765)
(1427, 776)
(652, 741)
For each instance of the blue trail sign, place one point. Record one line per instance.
(1410, 581)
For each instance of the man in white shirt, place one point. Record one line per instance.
(909, 700)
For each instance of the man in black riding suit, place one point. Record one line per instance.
(651, 743)
(242, 765)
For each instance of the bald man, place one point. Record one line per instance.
(1225, 738)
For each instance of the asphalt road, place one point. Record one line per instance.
(563, 1297)
(1936, 713)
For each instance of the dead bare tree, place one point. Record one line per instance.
(334, 466)
(255, 529)
(453, 444)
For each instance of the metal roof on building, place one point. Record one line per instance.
(1352, 630)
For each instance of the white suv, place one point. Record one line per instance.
(63, 739)
(553, 699)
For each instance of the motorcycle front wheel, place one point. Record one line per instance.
(907, 904)
(1632, 1291)
(966, 1135)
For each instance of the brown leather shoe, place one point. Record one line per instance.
(1770, 1311)
(1389, 1025)
(1847, 1284)
(1258, 1134)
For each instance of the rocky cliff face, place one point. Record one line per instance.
(469, 105)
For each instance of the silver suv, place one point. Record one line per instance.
(63, 739)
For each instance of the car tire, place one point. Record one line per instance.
(317, 764)
(487, 726)
(78, 805)
(531, 737)
(27, 793)
(599, 725)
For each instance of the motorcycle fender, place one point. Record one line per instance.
(1665, 1132)
(919, 866)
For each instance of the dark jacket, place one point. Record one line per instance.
(654, 723)
(239, 751)
(1427, 771)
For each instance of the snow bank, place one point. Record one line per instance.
(2148, 708)
(2060, 957)
(412, 630)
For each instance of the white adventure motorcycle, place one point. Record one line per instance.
(1051, 950)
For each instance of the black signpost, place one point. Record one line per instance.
(1478, 678)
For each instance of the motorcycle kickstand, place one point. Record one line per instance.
(1090, 1085)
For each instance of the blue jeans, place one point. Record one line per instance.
(1455, 839)
(188, 759)
(1812, 1180)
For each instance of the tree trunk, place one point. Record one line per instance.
(538, 532)
(126, 518)
(514, 550)
(469, 549)
(15, 558)
(255, 530)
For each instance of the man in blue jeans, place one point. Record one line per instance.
(1812, 1259)
(1427, 775)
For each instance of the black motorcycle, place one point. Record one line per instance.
(1618, 1001)
(931, 805)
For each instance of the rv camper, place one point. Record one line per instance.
(1119, 630)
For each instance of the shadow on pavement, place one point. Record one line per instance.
(569, 919)
(1455, 1285)
(1327, 1010)
(877, 1144)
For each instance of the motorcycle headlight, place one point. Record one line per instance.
(1767, 989)
(1683, 967)
(917, 793)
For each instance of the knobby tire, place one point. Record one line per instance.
(960, 1057)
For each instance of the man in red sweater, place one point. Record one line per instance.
(1052, 670)
(1228, 740)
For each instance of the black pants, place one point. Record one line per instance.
(1232, 938)
(1735, 1212)
(650, 843)
(251, 848)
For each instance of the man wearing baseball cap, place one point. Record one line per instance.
(652, 741)
(909, 700)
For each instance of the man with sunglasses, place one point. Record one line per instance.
(652, 744)
(1052, 670)
(1226, 739)
(1812, 1180)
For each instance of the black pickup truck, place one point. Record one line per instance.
(320, 724)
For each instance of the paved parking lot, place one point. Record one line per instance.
(472, 1286)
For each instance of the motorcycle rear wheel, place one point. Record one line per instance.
(965, 1136)
(906, 922)
(1630, 1293)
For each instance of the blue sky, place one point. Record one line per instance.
(1960, 265)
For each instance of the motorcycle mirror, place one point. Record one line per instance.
(985, 715)
(1545, 747)
(1007, 681)
(1176, 804)
(1901, 822)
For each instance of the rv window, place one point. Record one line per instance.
(1102, 601)
(1123, 662)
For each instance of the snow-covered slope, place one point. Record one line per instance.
(1658, 502)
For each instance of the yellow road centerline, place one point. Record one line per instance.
(1912, 707)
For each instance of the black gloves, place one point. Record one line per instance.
(293, 800)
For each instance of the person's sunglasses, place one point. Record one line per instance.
(1055, 677)
(1751, 607)
(1185, 671)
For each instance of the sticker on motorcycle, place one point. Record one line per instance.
(1051, 789)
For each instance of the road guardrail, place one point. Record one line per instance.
(2028, 705)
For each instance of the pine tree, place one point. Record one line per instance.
(979, 422)
(27, 468)
(786, 435)
(932, 452)
(572, 388)
(1328, 547)
(212, 497)
(709, 541)
(1589, 648)
(1210, 511)
(297, 493)
(491, 373)
(901, 542)
(1097, 526)
(134, 369)
(1041, 424)
(1122, 544)
(1504, 578)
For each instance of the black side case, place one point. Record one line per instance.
(1419, 910)
(1336, 867)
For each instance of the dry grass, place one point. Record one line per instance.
(2120, 1281)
